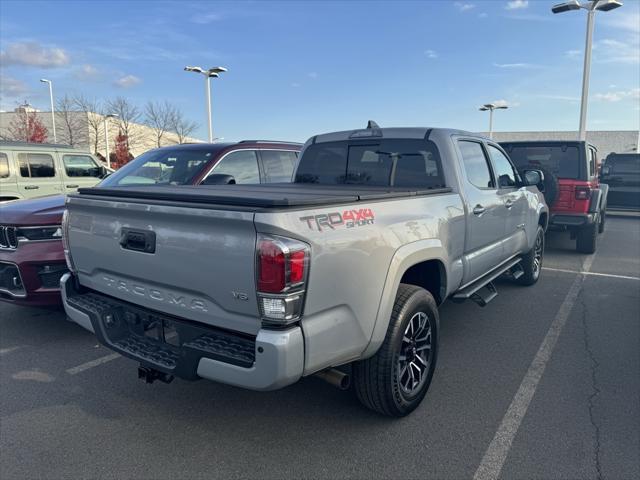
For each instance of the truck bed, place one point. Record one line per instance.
(260, 196)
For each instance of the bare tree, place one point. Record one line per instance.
(159, 117)
(128, 116)
(67, 116)
(94, 111)
(182, 127)
(27, 127)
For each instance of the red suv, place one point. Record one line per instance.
(31, 254)
(576, 198)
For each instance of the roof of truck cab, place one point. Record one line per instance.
(391, 132)
(547, 142)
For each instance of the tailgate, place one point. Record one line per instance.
(193, 263)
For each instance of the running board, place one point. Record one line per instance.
(475, 290)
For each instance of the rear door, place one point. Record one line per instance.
(79, 170)
(278, 165)
(485, 211)
(8, 184)
(38, 173)
(514, 199)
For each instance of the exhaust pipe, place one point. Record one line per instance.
(336, 378)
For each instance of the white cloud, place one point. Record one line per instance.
(127, 81)
(562, 98)
(295, 85)
(431, 53)
(573, 53)
(515, 65)
(483, 15)
(87, 72)
(517, 4)
(624, 21)
(33, 54)
(616, 96)
(464, 7)
(610, 50)
(12, 87)
(205, 18)
(502, 103)
(312, 74)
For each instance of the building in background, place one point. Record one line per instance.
(606, 141)
(85, 130)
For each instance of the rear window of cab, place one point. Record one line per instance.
(561, 160)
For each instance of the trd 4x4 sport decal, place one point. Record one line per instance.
(333, 220)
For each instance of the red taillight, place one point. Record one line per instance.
(282, 264)
(583, 193)
(271, 267)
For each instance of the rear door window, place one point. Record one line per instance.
(476, 164)
(504, 171)
(242, 165)
(4, 165)
(389, 163)
(36, 165)
(278, 165)
(81, 166)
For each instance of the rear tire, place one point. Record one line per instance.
(532, 260)
(587, 239)
(394, 381)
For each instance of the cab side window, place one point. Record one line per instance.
(278, 165)
(36, 165)
(242, 165)
(4, 165)
(476, 164)
(503, 168)
(80, 166)
(592, 162)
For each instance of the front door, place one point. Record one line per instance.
(514, 200)
(484, 212)
(80, 170)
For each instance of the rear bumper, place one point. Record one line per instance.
(573, 220)
(38, 267)
(271, 360)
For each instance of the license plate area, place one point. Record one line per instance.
(162, 330)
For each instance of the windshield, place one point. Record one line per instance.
(561, 160)
(388, 163)
(166, 166)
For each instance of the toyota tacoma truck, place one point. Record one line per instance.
(338, 274)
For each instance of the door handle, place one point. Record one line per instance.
(508, 203)
(478, 210)
(73, 186)
(31, 187)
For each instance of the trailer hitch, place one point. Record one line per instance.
(149, 375)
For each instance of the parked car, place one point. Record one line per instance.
(258, 286)
(621, 171)
(31, 254)
(29, 170)
(572, 189)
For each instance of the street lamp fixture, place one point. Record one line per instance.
(213, 72)
(591, 6)
(106, 136)
(53, 114)
(490, 107)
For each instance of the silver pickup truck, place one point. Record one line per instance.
(338, 274)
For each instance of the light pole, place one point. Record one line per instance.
(213, 72)
(591, 6)
(106, 136)
(491, 107)
(53, 115)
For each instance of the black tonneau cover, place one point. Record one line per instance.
(261, 196)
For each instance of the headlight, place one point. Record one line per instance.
(40, 233)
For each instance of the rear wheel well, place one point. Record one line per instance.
(430, 275)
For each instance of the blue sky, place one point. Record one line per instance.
(301, 68)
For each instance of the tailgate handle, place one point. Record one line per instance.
(138, 240)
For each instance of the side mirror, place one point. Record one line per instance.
(533, 177)
(103, 173)
(605, 171)
(219, 179)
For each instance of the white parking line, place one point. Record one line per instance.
(610, 275)
(93, 363)
(496, 454)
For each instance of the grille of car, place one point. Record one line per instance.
(8, 237)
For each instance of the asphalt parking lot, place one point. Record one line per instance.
(542, 383)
